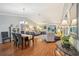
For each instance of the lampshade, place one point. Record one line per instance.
(64, 22)
(21, 22)
(26, 23)
(31, 27)
(38, 27)
(27, 29)
(74, 22)
(58, 30)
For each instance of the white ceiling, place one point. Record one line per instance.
(38, 12)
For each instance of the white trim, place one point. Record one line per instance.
(0, 42)
(8, 14)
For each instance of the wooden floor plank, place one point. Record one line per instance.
(40, 48)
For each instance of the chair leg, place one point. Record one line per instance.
(18, 45)
(22, 44)
(25, 43)
(15, 43)
(33, 41)
(28, 42)
(2, 41)
(10, 40)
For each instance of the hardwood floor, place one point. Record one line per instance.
(40, 48)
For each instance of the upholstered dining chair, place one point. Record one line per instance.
(22, 40)
(15, 39)
(5, 36)
(22, 32)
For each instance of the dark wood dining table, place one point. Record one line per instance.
(30, 37)
(25, 35)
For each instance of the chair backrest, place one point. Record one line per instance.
(43, 33)
(4, 34)
(22, 32)
(19, 37)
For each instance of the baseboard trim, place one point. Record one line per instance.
(0, 42)
(7, 41)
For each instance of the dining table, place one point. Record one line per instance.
(30, 37)
(25, 35)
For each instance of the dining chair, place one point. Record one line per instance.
(32, 39)
(20, 40)
(15, 39)
(27, 41)
(22, 32)
(5, 36)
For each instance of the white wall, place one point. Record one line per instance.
(6, 21)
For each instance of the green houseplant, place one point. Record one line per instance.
(65, 41)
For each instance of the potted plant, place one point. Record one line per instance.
(65, 41)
